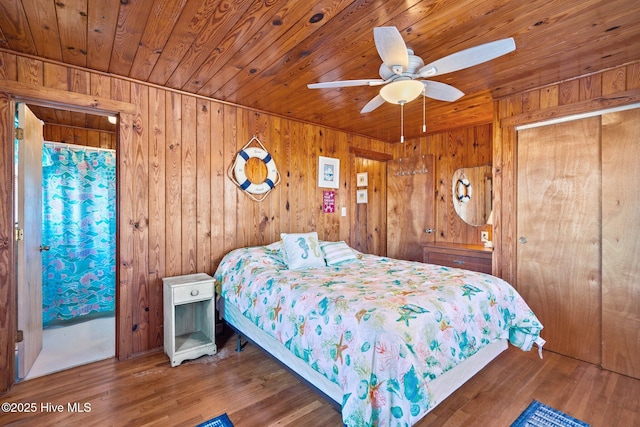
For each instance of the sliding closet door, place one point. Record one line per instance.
(558, 229)
(621, 242)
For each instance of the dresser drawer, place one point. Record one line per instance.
(467, 262)
(192, 292)
(469, 257)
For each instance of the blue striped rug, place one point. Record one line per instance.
(540, 415)
(219, 421)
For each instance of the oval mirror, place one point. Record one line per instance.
(472, 191)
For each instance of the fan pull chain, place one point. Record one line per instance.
(424, 109)
(402, 121)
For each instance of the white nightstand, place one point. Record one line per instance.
(189, 317)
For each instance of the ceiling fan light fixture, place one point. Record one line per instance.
(402, 91)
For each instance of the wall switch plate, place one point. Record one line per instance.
(344, 211)
(484, 236)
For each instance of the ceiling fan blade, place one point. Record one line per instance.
(344, 83)
(373, 104)
(391, 48)
(468, 57)
(441, 91)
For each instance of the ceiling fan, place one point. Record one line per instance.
(402, 72)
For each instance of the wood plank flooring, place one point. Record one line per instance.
(254, 390)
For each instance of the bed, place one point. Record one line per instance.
(385, 339)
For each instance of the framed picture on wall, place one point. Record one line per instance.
(362, 179)
(328, 172)
(362, 196)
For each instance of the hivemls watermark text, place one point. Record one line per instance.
(48, 407)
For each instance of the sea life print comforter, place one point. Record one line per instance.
(380, 328)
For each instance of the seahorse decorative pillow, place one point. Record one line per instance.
(302, 250)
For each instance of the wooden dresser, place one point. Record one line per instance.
(470, 257)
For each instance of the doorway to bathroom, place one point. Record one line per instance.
(66, 218)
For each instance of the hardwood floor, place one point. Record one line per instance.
(254, 390)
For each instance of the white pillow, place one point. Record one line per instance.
(337, 253)
(302, 250)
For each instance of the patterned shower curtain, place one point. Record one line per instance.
(78, 272)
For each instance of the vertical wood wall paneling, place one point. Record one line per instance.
(124, 244)
(166, 223)
(322, 149)
(218, 182)
(140, 230)
(309, 164)
(259, 126)
(245, 207)
(125, 303)
(203, 185)
(189, 185)
(88, 137)
(344, 197)
(157, 213)
(277, 149)
(313, 141)
(173, 182)
(369, 227)
(231, 191)
(8, 318)
(455, 149)
(297, 171)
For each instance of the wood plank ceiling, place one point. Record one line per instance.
(262, 53)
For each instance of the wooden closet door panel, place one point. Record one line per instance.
(410, 206)
(621, 242)
(558, 229)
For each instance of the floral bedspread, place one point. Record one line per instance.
(378, 327)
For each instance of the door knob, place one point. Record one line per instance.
(44, 248)
(522, 240)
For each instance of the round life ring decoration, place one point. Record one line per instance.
(238, 175)
(464, 190)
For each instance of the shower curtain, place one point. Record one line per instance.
(78, 271)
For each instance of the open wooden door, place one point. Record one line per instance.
(410, 206)
(29, 207)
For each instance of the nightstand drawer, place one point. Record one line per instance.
(193, 292)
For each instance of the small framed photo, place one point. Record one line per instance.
(362, 196)
(328, 172)
(362, 179)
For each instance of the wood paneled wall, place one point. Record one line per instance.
(78, 136)
(461, 148)
(8, 291)
(178, 211)
(369, 228)
(606, 89)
